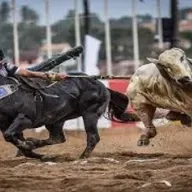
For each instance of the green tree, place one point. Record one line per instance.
(123, 22)
(30, 36)
(6, 39)
(28, 15)
(121, 37)
(4, 12)
(187, 35)
(183, 13)
(144, 18)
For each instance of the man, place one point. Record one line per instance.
(8, 69)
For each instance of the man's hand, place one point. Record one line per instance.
(56, 76)
(59, 77)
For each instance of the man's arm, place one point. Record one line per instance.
(28, 73)
(51, 76)
(14, 70)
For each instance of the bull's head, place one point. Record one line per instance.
(176, 64)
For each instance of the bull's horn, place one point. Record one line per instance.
(152, 60)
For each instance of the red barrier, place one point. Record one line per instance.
(118, 85)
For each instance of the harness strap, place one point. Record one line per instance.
(15, 80)
(40, 90)
(39, 105)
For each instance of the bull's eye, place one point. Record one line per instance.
(182, 58)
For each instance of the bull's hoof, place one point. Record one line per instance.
(19, 153)
(143, 141)
(85, 155)
(186, 120)
(152, 132)
(46, 158)
(27, 145)
(173, 116)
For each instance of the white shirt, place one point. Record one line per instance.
(8, 69)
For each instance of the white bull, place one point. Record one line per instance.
(164, 83)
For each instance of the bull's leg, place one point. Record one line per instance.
(56, 136)
(20, 137)
(184, 119)
(20, 123)
(90, 122)
(173, 116)
(146, 113)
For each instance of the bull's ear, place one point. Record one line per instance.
(190, 60)
(153, 60)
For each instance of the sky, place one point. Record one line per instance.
(117, 8)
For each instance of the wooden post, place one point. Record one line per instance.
(15, 33)
(174, 17)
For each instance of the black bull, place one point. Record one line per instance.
(32, 106)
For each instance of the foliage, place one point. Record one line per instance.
(183, 13)
(32, 35)
(6, 40)
(28, 15)
(186, 35)
(4, 12)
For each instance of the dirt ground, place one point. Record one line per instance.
(117, 164)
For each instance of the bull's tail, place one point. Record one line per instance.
(117, 108)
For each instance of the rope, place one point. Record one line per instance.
(99, 77)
